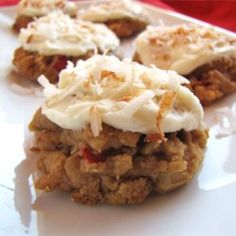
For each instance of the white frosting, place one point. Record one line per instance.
(43, 7)
(182, 48)
(58, 34)
(122, 94)
(112, 10)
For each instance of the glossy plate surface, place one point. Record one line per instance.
(206, 206)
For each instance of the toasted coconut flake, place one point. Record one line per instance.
(155, 137)
(137, 102)
(106, 73)
(49, 89)
(43, 81)
(95, 121)
(166, 102)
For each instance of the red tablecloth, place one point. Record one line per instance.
(221, 13)
(7, 2)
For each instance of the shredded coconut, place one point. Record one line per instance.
(122, 94)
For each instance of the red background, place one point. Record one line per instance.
(221, 13)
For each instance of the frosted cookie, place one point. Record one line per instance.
(50, 41)
(203, 55)
(116, 131)
(30, 9)
(125, 18)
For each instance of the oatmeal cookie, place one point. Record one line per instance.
(110, 132)
(125, 172)
(69, 40)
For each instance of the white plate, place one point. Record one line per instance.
(206, 206)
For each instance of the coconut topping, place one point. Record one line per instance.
(121, 94)
(43, 7)
(113, 10)
(58, 34)
(182, 48)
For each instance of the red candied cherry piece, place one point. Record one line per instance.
(60, 63)
(91, 157)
